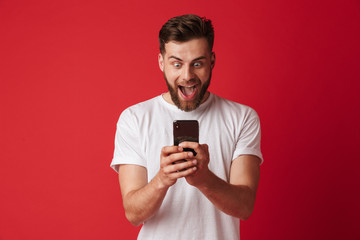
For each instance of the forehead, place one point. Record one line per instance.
(188, 50)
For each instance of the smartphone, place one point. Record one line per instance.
(186, 131)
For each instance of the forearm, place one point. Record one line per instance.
(141, 199)
(235, 200)
(142, 204)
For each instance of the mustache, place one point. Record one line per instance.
(191, 81)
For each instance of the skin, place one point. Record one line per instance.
(189, 64)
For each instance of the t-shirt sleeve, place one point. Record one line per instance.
(249, 138)
(127, 142)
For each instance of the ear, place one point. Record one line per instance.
(212, 60)
(161, 62)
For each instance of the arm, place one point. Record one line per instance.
(236, 198)
(141, 199)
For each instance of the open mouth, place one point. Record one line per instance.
(188, 92)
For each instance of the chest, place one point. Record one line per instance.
(218, 133)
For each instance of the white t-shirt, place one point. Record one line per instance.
(230, 129)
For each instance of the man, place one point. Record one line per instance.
(205, 196)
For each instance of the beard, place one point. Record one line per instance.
(188, 106)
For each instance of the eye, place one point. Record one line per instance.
(197, 64)
(177, 65)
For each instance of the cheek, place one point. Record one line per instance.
(171, 75)
(203, 75)
(170, 78)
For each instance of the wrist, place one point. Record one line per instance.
(158, 184)
(205, 182)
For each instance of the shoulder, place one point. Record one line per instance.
(233, 108)
(142, 107)
(132, 114)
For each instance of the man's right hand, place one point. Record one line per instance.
(171, 166)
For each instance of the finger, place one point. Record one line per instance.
(189, 144)
(179, 156)
(180, 166)
(205, 146)
(194, 145)
(176, 157)
(167, 150)
(185, 172)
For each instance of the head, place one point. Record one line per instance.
(184, 28)
(186, 59)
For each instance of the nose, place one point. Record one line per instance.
(187, 73)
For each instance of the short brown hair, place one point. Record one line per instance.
(184, 28)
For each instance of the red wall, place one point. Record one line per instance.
(68, 68)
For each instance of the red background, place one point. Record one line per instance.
(68, 69)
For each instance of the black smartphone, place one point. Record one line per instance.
(186, 131)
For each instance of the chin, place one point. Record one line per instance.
(188, 107)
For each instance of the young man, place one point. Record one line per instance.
(205, 196)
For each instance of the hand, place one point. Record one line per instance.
(170, 172)
(202, 156)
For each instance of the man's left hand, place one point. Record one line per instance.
(202, 156)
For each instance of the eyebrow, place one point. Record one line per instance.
(194, 60)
